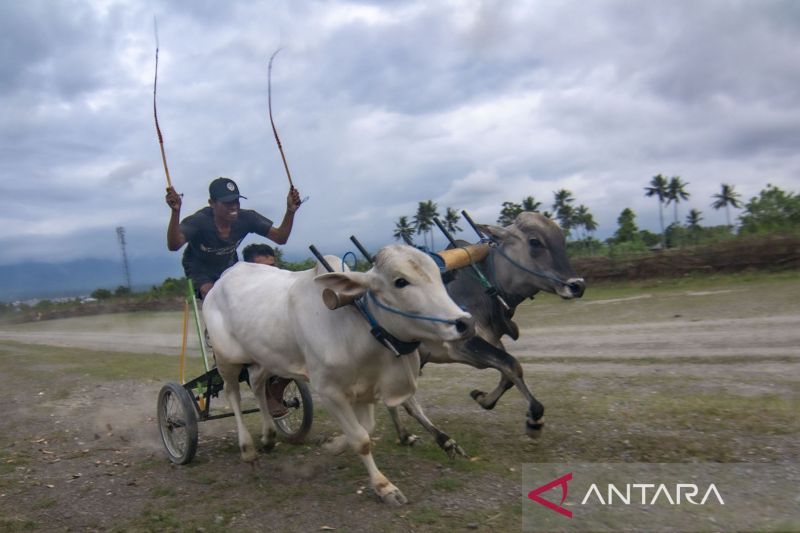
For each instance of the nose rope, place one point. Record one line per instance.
(409, 315)
(525, 269)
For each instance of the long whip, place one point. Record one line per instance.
(155, 109)
(271, 121)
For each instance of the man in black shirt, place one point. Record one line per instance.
(214, 233)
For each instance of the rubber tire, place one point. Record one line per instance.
(283, 425)
(180, 448)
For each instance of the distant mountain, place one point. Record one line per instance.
(23, 281)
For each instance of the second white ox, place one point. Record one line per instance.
(275, 321)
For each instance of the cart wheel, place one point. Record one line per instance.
(177, 423)
(296, 423)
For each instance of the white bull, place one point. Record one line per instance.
(275, 321)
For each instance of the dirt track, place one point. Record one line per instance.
(670, 375)
(757, 336)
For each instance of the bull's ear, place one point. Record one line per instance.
(495, 232)
(344, 287)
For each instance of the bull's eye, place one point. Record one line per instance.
(536, 244)
(400, 283)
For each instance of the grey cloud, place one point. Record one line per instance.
(596, 97)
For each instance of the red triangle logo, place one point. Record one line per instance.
(562, 481)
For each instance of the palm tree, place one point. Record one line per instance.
(530, 204)
(693, 223)
(693, 219)
(510, 210)
(584, 218)
(564, 211)
(403, 230)
(423, 220)
(676, 192)
(659, 188)
(725, 198)
(508, 214)
(451, 218)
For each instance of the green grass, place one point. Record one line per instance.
(447, 484)
(45, 503)
(155, 520)
(161, 492)
(424, 515)
(721, 360)
(647, 418)
(693, 282)
(507, 517)
(82, 363)
(723, 296)
(17, 524)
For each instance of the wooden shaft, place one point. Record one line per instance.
(155, 116)
(272, 122)
(455, 258)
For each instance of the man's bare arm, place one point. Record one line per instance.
(280, 234)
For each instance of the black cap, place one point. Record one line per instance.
(224, 190)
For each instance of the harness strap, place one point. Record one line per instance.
(388, 340)
(409, 315)
(526, 269)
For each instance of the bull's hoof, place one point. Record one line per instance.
(534, 429)
(480, 397)
(394, 497)
(408, 439)
(268, 441)
(249, 454)
(452, 449)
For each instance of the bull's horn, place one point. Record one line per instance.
(463, 256)
(334, 300)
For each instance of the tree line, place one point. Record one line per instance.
(773, 210)
(569, 217)
(422, 223)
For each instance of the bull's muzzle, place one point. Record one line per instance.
(576, 286)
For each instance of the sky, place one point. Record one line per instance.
(381, 105)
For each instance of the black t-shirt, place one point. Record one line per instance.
(207, 255)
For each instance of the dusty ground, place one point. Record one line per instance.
(680, 371)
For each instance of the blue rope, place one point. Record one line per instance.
(361, 305)
(525, 269)
(344, 261)
(408, 315)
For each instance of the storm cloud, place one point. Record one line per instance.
(381, 105)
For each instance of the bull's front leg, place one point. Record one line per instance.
(444, 441)
(479, 353)
(489, 400)
(358, 438)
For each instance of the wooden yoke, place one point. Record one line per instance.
(460, 257)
